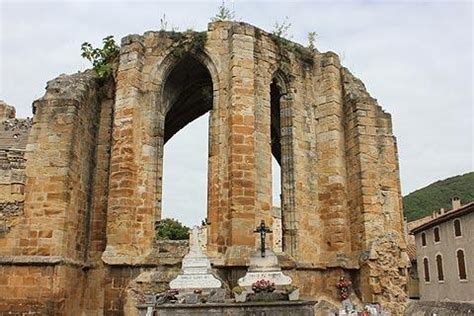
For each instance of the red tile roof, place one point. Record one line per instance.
(463, 210)
(411, 251)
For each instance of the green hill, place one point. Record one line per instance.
(438, 195)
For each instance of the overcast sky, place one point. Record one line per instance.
(414, 57)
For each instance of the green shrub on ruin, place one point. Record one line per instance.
(101, 58)
(223, 14)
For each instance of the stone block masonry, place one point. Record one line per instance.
(92, 181)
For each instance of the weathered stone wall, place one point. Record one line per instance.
(13, 139)
(377, 220)
(95, 161)
(6, 111)
(54, 233)
(12, 181)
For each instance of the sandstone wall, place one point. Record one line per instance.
(6, 111)
(13, 139)
(54, 233)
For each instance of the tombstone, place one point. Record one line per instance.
(264, 264)
(196, 268)
(191, 298)
(217, 296)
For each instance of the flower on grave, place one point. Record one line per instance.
(343, 285)
(263, 286)
(237, 289)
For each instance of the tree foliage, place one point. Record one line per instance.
(312, 40)
(101, 58)
(223, 14)
(438, 195)
(172, 229)
(280, 29)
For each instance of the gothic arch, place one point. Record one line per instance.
(163, 69)
(165, 72)
(186, 88)
(281, 121)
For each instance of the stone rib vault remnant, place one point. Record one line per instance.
(94, 161)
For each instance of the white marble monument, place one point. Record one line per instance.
(264, 268)
(264, 264)
(196, 268)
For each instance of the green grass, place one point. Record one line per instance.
(438, 195)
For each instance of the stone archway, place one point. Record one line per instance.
(187, 95)
(282, 149)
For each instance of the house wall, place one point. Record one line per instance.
(452, 288)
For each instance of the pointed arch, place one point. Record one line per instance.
(169, 67)
(281, 133)
(184, 88)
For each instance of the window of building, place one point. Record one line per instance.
(457, 228)
(436, 234)
(423, 239)
(461, 264)
(439, 266)
(426, 269)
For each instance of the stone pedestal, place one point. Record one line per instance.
(300, 308)
(264, 268)
(196, 268)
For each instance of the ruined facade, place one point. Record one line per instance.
(13, 139)
(86, 235)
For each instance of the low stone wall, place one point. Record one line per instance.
(299, 308)
(421, 308)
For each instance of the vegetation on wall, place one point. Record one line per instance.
(438, 195)
(164, 25)
(101, 58)
(280, 29)
(172, 229)
(223, 14)
(312, 40)
(188, 42)
(280, 34)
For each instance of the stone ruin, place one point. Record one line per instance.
(89, 180)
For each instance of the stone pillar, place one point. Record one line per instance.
(218, 45)
(330, 171)
(133, 168)
(288, 212)
(242, 146)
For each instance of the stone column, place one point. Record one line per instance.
(133, 168)
(241, 139)
(331, 165)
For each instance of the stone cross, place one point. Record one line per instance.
(194, 244)
(262, 230)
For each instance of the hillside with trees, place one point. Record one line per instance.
(438, 195)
